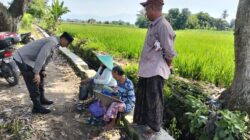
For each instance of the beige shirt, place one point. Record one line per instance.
(152, 62)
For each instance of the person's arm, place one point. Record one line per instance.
(97, 73)
(131, 97)
(167, 38)
(106, 77)
(43, 54)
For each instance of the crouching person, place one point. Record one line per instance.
(103, 76)
(126, 93)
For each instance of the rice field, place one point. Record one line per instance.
(202, 55)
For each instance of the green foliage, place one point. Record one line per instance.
(232, 125)
(119, 41)
(37, 8)
(27, 21)
(47, 21)
(199, 52)
(229, 125)
(204, 20)
(198, 118)
(205, 55)
(173, 17)
(57, 10)
(196, 110)
(52, 16)
(15, 129)
(184, 19)
(87, 54)
(221, 24)
(232, 24)
(173, 130)
(142, 21)
(132, 73)
(193, 22)
(196, 104)
(179, 20)
(224, 14)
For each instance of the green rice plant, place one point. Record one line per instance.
(202, 55)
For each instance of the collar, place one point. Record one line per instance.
(156, 21)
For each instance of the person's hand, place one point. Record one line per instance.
(85, 81)
(44, 74)
(37, 79)
(169, 62)
(171, 69)
(115, 89)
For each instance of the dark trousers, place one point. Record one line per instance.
(150, 102)
(35, 91)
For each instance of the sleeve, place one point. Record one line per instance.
(106, 77)
(97, 73)
(167, 38)
(43, 54)
(131, 97)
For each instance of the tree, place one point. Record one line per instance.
(221, 24)
(192, 22)
(37, 8)
(141, 21)
(232, 23)
(182, 19)
(224, 15)
(11, 17)
(119, 22)
(172, 17)
(91, 21)
(57, 10)
(106, 22)
(237, 97)
(204, 20)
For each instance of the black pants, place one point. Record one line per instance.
(28, 75)
(150, 102)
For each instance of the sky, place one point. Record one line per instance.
(127, 9)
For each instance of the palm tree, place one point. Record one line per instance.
(57, 10)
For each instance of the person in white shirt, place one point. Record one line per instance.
(103, 76)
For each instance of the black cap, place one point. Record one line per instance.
(67, 36)
(153, 2)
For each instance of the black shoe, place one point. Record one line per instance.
(46, 102)
(43, 99)
(40, 110)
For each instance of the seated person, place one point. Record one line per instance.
(103, 76)
(125, 91)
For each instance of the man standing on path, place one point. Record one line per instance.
(32, 60)
(154, 67)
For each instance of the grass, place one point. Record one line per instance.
(202, 55)
(120, 41)
(205, 55)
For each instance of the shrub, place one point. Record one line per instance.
(27, 21)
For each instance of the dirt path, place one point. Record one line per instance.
(17, 122)
(61, 87)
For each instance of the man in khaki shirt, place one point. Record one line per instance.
(154, 67)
